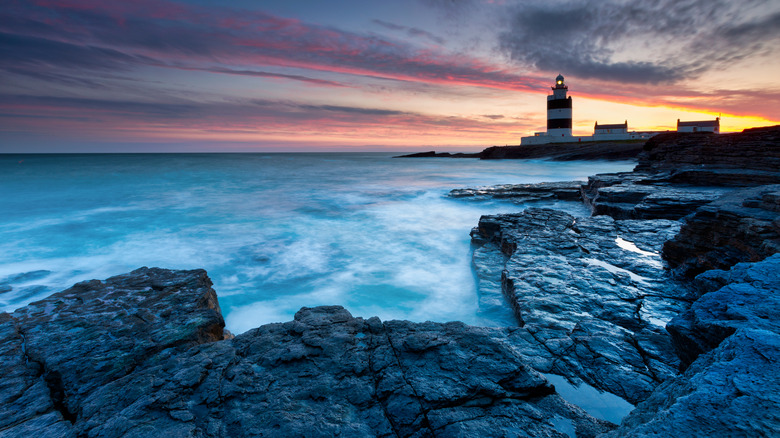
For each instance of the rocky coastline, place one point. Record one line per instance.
(591, 150)
(666, 296)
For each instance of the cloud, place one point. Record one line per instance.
(262, 74)
(641, 42)
(411, 31)
(122, 120)
(19, 51)
(86, 37)
(354, 110)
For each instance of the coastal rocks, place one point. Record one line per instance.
(520, 193)
(61, 349)
(592, 150)
(638, 195)
(756, 149)
(729, 342)
(591, 296)
(745, 297)
(144, 354)
(741, 226)
(434, 154)
(732, 391)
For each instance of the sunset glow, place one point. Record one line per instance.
(160, 75)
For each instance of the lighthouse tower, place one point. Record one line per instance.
(559, 111)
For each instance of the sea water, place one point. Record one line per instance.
(276, 232)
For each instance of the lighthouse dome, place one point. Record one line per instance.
(559, 79)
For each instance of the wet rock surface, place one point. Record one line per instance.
(521, 193)
(144, 354)
(645, 195)
(591, 296)
(94, 333)
(732, 391)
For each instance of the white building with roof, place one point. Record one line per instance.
(699, 126)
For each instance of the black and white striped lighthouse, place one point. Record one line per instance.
(559, 110)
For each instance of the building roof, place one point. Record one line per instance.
(703, 123)
(613, 126)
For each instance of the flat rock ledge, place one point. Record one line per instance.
(591, 296)
(145, 355)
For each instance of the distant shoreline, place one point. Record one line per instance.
(594, 150)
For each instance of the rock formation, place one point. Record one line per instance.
(521, 193)
(144, 354)
(743, 225)
(592, 150)
(570, 284)
(589, 308)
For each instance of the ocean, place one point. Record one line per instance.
(275, 232)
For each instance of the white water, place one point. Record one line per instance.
(275, 231)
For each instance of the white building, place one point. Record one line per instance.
(700, 126)
(611, 129)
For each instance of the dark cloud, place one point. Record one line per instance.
(412, 31)
(641, 42)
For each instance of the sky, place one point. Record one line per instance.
(360, 75)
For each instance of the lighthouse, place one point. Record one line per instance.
(559, 111)
(559, 123)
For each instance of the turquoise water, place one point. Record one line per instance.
(275, 231)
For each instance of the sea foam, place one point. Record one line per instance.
(276, 232)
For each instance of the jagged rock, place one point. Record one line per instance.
(96, 332)
(748, 298)
(565, 191)
(642, 195)
(590, 308)
(731, 339)
(144, 354)
(732, 391)
(741, 226)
